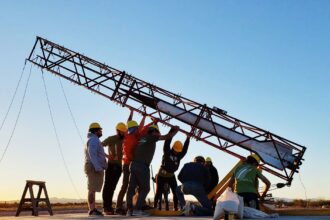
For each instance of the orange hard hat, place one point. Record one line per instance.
(177, 146)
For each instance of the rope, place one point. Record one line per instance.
(14, 95)
(303, 185)
(57, 138)
(71, 114)
(18, 115)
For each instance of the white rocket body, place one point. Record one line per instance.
(265, 149)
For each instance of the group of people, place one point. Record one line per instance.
(130, 152)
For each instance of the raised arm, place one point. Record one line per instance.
(185, 146)
(130, 117)
(144, 129)
(170, 134)
(167, 144)
(142, 123)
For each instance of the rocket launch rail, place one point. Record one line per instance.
(213, 126)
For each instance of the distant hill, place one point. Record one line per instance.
(67, 200)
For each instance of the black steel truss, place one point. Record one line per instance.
(119, 87)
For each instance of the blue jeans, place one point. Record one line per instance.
(139, 176)
(197, 190)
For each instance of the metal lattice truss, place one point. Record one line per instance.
(212, 126)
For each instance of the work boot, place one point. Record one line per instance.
(95, 212)
(109, 211)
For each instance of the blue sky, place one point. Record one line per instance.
(265, 62)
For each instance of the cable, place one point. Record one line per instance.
(57, 138)
(303, 185)
(12, 100)
(72, 117)
(18, 115)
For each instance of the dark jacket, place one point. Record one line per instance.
(145, 149)
(214, 178)
(171, 160)
(195, 172)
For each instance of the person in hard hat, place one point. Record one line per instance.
(213, 174)
(139, 169)
(95, 164)
(214, 178)
(133, 134)
(195, 178)
(170, 164)
(113, 172)
(245, 181)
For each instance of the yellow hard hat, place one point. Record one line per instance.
(177, 146)
(94, 125)
(256, 157)
(121, 127)
(155, 127)
(132, 124)
(208, 159)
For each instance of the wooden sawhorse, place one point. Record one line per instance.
(34, 200)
